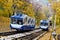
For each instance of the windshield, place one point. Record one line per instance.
(15, 21)
(43, 24)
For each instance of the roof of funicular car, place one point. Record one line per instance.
(19, 16)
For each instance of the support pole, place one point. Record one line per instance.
(54, 28)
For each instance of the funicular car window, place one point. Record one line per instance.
(44, 24)
(25, 20)
(20, 22)
(29, 20)
(33, 22)
(13, 21)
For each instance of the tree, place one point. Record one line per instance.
(11, 6)
(56, 7)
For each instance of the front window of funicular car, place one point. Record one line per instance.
(44, 24)
(16, 21)
(13, 21)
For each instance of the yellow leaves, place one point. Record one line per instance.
(29, 11)
(57, 10)
(50, 1)
(30, 4)
(19, 3)
(4, 21)
(56, 7)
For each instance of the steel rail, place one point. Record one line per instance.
(14, 35)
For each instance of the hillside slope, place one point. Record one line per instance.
(4, 24)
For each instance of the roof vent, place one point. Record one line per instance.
(21, 14)
(17, 14)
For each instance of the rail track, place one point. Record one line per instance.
(14, 35)
(13, 32)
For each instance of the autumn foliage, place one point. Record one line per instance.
(56, 8)
(8, 7)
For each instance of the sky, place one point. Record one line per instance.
(44, 1)
(39, 2)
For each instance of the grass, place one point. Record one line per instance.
(4, 24)
(58, 30)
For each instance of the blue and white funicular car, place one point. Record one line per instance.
(44, 24)
(22, 22)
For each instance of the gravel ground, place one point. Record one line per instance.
(48, 35)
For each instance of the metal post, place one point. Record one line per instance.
(54, 32)
(55, 22)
